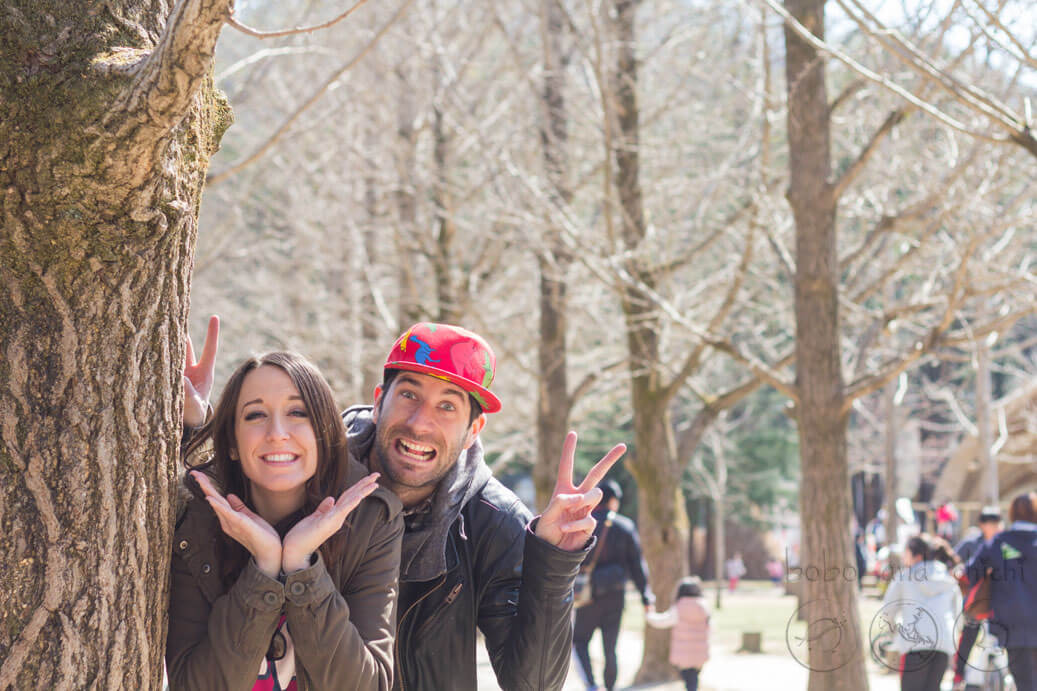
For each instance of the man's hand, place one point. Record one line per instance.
(245, 526)
(566, 522)
(310, 533)
(198, 376)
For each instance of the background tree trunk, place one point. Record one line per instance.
(553, 260)
(662, 520)
(824, 494)
(105, 147)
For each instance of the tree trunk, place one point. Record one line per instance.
(834, 652)
(105, 147)
(662, 520)
(553, 401)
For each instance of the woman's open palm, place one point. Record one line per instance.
(311, 532)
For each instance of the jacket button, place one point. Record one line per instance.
(184, 544)
(206, 568)
(270, 598)
(297, 588)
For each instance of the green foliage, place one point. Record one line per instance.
(762, 454)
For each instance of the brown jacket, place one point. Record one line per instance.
(342, 632)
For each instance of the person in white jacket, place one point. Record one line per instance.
(919, 609)
(688, 620)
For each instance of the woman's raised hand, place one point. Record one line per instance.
(198, 376)
(311, 532)
(245, 526)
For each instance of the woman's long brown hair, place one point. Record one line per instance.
(226, 473)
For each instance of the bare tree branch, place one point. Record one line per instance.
(216, 178)
(289, 32)
(855, 168)
(826, 48)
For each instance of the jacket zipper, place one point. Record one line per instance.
(453, 593)
(396, 644)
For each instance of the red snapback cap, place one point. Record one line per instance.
(451, 353)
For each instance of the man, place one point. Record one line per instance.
(619, 560)
(473, 555)
(989, 525)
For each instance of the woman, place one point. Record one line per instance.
(272, 586)
(1011, 561)
(920, 607)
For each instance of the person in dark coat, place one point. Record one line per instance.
(989, 525)
(1011, 561)
(620, 560)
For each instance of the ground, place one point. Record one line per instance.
(755, 606)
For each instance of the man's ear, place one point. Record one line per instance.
(474, 429)
(377, 401)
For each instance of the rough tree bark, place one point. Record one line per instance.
(108, 117)
(835, 654)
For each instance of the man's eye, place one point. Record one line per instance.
(448, 406)
(408, 394)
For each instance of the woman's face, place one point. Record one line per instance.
(274, 439)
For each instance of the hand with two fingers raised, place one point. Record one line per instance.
(567, 523)
(311, 532)
(245, 526)
(198, 376)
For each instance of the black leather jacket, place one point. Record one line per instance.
(500, 577)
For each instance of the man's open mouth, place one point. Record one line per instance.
(414, 450)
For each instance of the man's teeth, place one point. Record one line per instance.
(417, 450)
(279, 457)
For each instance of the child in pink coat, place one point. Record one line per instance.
(688, 620)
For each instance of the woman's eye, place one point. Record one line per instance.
(253, 415)
(298, 412)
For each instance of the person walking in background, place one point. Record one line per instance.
(619, 560)
(946, 520)
(1010, 560)
(920, 607)
(688, 621)
(734, 569)
(860, 557)
(989, 525)
(775, 571)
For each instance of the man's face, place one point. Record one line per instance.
(422, 427)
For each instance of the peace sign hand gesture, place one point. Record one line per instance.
(566, 522)
(198, 376)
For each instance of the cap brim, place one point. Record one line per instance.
(489, 402)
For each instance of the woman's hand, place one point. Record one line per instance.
(245, 526)
(311, 532)
(198, 376)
